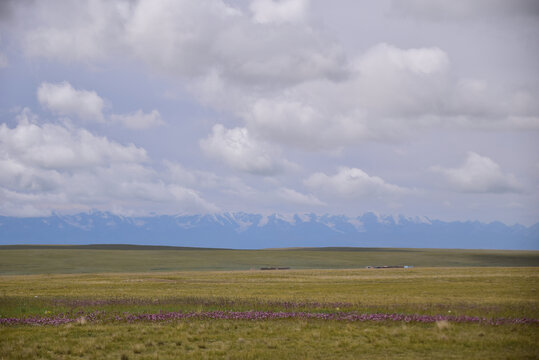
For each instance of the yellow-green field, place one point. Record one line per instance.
(36, 259)
(269, 340)
(486, 292)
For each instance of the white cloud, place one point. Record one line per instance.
(139, 120)
(194, 39)
(292, 123)
(239, 150)
(186, 38)
(402, 82)
(479, 174)
(476, 103)
(279, 11)
(81, 31)
(272, 67)
(279, 72)
(389, 92)
(353, 183)
(57, 147)
(295, 197)
(53, 167)
(383, 56)
(63, 99)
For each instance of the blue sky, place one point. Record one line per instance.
(414, 107)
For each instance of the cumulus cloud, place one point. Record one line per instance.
(275, 70)
(391, 93)
(239, 150)
(402, 82)
(295, 197)
(186, 38)
(280, 11)
(139, 120)
(418, 61)
(63, 99)
(476, 103)
(49, 166)
(353, 183)
(387, 96)
(479, 174)
(271, 67)
(195, 38)
(293, 122)
(82, 31)
(57, 147)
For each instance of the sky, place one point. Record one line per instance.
(143, 107)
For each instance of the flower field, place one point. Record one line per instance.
(103, 317)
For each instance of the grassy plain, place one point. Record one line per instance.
(498, 291)
(45, 282)
(125, 258)
(268, 340)
(487, 292)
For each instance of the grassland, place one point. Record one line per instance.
(120, 283)
(486, 292)
(268, 340)
(124, 258)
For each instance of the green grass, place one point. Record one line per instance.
(491, 292)
(269, 340)
(497, 292)
(125, 258)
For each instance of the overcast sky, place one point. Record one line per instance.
(414, 107)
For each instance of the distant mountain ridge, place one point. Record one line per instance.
(255, 231)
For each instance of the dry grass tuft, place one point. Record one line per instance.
(442, 324)
(138, 348)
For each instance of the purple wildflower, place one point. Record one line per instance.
(60, 319)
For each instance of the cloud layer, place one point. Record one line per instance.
(63, 99)
(269, 66)
(479, 174)
(51, 166)
(353, 184)
(239, 150)
(270, 106)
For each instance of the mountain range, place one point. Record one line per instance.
(255, 231)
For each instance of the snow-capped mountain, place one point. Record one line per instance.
(254, 231)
